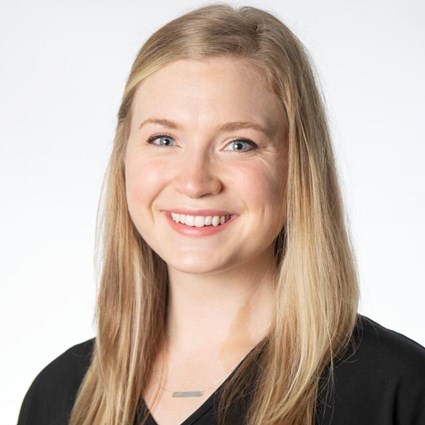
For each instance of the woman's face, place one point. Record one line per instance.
(207, 146)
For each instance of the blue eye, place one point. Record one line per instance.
(161, 140)
(241, 145)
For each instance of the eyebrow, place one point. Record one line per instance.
(229, 126)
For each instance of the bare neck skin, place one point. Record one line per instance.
(220, 315)
(214, 320)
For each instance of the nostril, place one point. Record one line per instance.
(196, 185)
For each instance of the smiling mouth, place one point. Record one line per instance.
(200, 221)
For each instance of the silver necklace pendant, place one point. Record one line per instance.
(188, 393)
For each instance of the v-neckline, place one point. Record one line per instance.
(204, 407)
(196, 414)
(193, 417)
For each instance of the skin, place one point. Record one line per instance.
(221, 285)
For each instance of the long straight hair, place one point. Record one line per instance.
(316, 278)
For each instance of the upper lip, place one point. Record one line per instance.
(203, 212)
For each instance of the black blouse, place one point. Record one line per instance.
(380, 380)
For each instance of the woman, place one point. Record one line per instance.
(229, 290)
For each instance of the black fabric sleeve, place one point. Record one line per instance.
(52, 394)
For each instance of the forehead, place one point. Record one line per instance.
(209, 89)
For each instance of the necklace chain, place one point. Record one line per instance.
(200, 393)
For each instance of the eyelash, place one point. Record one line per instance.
(250, 142)
(158, 136)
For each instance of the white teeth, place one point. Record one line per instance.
(190, 220)
(198, 220)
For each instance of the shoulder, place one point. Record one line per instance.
(51, 396)
(383, 350)
(378, 380)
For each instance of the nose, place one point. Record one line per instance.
(197, 175)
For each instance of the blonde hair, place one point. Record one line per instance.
(316, 276)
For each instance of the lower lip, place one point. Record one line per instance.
(198, 231)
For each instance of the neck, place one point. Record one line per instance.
(234, 309)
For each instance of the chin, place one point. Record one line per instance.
(195, 265)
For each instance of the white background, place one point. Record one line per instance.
(63, 66)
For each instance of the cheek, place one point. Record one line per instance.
(142, 183)
(262, 186)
